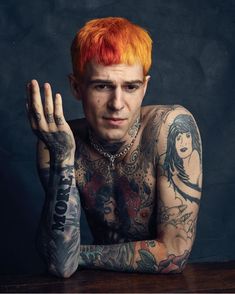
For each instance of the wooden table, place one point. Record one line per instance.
(198, 277)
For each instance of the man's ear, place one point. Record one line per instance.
(146, 80)
(75, 87)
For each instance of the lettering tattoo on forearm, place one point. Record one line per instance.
(60, 225)
(61, 204)
(65, 196)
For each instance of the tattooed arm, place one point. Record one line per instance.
(59, 230)
(179, 182)
(177, 207)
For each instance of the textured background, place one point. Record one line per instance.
(193, 65)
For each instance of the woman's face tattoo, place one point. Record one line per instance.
(183, 145)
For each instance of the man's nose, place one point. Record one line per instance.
(116, 101)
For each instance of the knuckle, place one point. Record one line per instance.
(59, 119)
(49, 118)
(37, 116)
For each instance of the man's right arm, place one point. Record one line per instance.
(59, 230)
(58, 237)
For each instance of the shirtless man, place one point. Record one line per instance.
(135, 170)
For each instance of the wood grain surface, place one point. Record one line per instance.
(198, 277)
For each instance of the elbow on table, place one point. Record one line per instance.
(173, 264)
(176, 262)
(62, 272)
(177, 257)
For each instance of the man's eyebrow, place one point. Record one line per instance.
(134, 82)
(97, 81)
(103, 81)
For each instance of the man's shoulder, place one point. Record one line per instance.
(166, 122)
(161, 120)
(162, 114)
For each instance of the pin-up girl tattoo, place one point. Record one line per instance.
(182, 163)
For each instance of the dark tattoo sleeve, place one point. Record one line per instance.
(59, 231)
(179, 183)
(142, 256)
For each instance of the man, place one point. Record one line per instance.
(136, 170)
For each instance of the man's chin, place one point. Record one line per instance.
(112, 136)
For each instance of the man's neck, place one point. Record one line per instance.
(107, 146)
(115, 147)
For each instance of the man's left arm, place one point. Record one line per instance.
(179, 180)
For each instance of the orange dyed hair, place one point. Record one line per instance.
(111, 40)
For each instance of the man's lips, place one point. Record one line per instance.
(115, 121)
(114, 118)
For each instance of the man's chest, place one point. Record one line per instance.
(121, 203)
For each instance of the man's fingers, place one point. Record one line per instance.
(58, 110)
(37, 108)
(45, 116)
(49, 107)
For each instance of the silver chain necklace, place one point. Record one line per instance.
(108, 155)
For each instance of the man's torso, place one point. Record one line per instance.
(120, 204)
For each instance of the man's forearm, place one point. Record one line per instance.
(148, 256)
(59, 233)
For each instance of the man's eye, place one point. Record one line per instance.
(102, 87)
(131, 88)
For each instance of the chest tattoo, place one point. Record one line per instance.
(120, 204)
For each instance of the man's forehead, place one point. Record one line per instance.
(115, 71)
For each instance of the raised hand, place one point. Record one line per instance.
(48, 122)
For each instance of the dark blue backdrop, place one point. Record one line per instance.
(193, 65)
